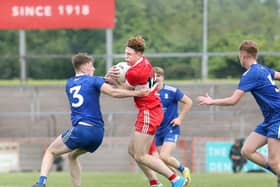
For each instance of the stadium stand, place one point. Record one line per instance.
(33, 115)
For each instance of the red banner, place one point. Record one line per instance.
(56, 14)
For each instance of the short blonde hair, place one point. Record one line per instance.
(159, 71)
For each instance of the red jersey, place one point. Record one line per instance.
(141, 75)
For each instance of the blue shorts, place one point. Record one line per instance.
(172, 135)
(270, 130)
(87, 138)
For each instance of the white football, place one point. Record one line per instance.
(123, 67)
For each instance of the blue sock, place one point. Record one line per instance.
(42, 180)
(267, 166)
(181, 168)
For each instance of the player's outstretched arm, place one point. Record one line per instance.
(121, 93)
(227, 101)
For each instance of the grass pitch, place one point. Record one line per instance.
(138, 180)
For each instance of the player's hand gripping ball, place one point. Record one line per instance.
(122, 68)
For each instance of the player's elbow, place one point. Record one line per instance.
(234, 99)
(190, 103)
(232, 102)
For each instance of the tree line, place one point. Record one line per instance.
(167, 26)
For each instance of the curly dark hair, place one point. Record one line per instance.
(137, 43)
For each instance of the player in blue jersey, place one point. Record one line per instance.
(258, 79)
(168, 133)
(86, 135)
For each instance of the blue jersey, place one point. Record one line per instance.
(169, 96)
(83, 94)
(258, 79)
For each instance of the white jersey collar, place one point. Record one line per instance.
(138, 61)
(79, 74)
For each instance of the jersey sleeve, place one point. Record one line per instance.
(271, 72)
(179, 94)
(248, 81)
(132, 78)
(98, 82)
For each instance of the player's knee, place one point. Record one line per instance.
(164, 158)
(130, 152)
(50, 152)
(245, 152)
(72, 156)
(139, 158)
(274, 162)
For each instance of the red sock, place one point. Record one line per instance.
(153, 182)
(173, 176)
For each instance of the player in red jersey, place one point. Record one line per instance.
(149, 116)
